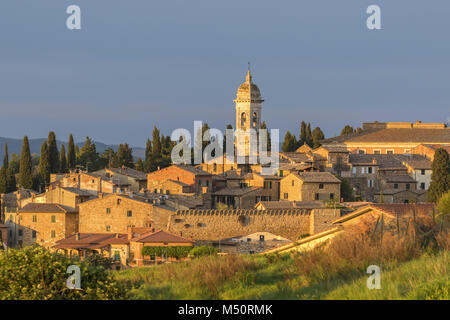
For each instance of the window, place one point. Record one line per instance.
(362, 151)
(129, 213)
(331, 196)
(118, 201)
(207, 183)
(53, 219)
(33, 234)
(108, 210)
(249, 239)
(215, 167)
(167, 191)
(20, 232)
(108, 228)
(378, 151)
(293, 182)
(199, 183)
(363, 169)
(369, 170)
(390, 151)
(422, 172)
(117, 255)
(408, 186)
(34, 218)
(370, 183)
(53, 234)
(395, 185)
(261, 238)
(286, 195)
(422, 186)
(255, 119)
(354, 170)
(316, 196)
(320, 185)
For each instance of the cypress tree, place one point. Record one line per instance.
(44, 164)
(148, 156)
(440, 177)
(25, 174)
(53, 154)
(71, 157)
(317, 135)
(3, 180)
(302, 134)
(309, 138)
(11, 179)
(289, 143)
(3, 173)
(63, 160)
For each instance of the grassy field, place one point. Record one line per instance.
(337, 272)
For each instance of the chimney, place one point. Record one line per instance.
(130, 233)
(117, 236)
(77, 236)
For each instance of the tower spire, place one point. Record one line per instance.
(248, 78)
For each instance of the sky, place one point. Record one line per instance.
(135, 64)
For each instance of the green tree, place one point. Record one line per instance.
(53, 154)
(34, 273)
(440, 176)
(63, 160)
(148, 155)
(309, 138)
(88, 155)
(346, 190)
(289, 143)
(125, 156)
(3, 180)
(71, 156)
(25, 170)
(109, 158)
(303, 134)
(347, 130)
(139, 166)
(44, 164)
(317, 135)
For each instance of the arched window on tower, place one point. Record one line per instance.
(255, 119)
(243, 119)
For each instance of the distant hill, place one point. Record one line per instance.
(15, 146)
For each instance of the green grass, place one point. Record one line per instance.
(279, 277)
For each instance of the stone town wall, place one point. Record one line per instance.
(221, 224)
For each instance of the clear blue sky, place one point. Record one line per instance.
(139, 63)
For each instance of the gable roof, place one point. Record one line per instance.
(138, 175)
(399, 135)
(91, 240)
(316, 177)
(161, 236)
(46, 208)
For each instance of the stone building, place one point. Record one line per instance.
(392, 137)
(115, 213)
(310, 186)
(45, 223)
(199, 181)
(136, 180)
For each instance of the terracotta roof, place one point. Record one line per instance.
(91, 240)
(46, 208)
(419, 164)
(399, 135)
(317, 177)
(161, 236)
(80, 192)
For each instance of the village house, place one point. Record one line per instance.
(115, 213)
(89, 182)
(310, 186)
(392, 137)
(428, 150)
(198, 180)
(136, 180)
(45, 223)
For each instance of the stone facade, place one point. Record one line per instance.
(293, 188)
(221, 224)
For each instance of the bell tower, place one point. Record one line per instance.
(248, 113)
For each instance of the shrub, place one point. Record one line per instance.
(202, 251)
(172, 252)
(35, 273)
